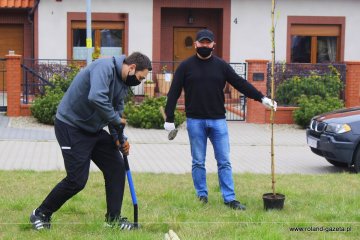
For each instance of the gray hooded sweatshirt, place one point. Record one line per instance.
(95, 97)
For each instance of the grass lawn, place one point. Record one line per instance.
(327, 206)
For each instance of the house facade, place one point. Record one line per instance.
(164, 29)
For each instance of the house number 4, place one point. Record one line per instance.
(235, 20)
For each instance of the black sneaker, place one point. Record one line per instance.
(122, 223)
(39, 220)
(203, 199)
(235, 205)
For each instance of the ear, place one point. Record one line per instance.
(132, 67)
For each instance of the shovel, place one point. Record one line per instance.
(172, 133)
(120, 142)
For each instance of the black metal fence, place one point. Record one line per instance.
(38, 72)
(235, 102)
(162, 75)
(3, 94)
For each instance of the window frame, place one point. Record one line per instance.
(316, 27)
(97, 19)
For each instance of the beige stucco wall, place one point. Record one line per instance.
(250, 37)
(53, 20)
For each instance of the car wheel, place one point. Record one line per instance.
(337, 164)
(357, 161)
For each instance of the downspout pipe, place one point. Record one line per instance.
(31, 21)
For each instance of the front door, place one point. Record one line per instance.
(11, 38)
(184, 39)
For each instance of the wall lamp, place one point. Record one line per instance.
(190, 19)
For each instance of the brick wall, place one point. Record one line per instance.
(352, 89)
(255, 112)
(283, 115)
(13, 81)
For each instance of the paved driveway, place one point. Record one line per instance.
(37, 149)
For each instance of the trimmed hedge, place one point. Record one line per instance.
(328, 85)
(313, 95)
(148, 115)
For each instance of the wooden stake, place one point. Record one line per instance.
(272, 113)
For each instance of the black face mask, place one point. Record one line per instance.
(131, 80)
(204, 51)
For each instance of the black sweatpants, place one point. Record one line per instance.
(78, 149)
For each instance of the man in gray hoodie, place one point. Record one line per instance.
(95, 99)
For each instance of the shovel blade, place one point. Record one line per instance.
(172, 134)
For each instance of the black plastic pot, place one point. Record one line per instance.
(272, 201)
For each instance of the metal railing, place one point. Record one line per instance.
(38, 72)
(235, 105)
(162, 76)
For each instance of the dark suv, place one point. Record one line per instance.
(336, 136)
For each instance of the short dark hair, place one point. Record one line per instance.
(140, 60)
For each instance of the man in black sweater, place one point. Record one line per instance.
(203, 78)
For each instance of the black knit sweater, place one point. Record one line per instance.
(203, 82)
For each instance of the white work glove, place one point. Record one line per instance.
(267, 102)
(168, 126)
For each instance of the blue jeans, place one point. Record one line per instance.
(216, 130)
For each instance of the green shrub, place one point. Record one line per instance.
(44, 107)
(313, 95)
(329, 85)
(148, 115)
(310, 106)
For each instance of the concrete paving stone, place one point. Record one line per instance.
(151, 151)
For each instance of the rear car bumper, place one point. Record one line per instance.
(326, 146)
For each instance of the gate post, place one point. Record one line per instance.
(13, 83)
(256, 112)
(352, 87)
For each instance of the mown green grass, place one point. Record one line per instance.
(168, 201)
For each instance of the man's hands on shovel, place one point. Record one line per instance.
(119, 138)
(124, 148)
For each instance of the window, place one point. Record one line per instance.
(109, 34)
(107, 38)
(315, 39)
